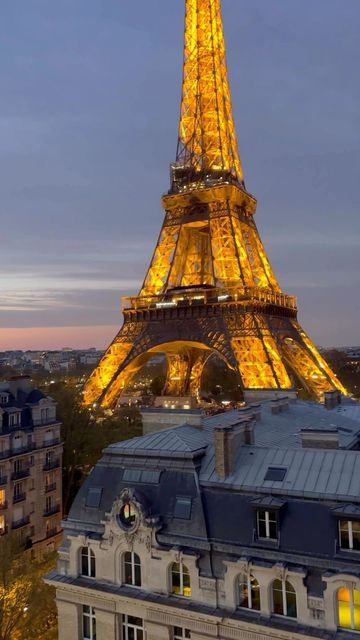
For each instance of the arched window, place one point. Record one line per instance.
(249, 592)
(87, 562)
(348, 602)
(132, 569)
(180, 580)
(284, 598)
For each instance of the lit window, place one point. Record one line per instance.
(349, 608)
(2, 498)
(180, 580)
(132, 569)
(2, 525)
(267, 526)
(249, 592)
(87, 562)
(181, 634)
(349, 535)
(127, 515)
(89, 623)
(133, 628)
(284, 599)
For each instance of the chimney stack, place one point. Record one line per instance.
(227, 440)
(332, 399)
(319, 438)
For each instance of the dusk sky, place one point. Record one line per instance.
(90, 93)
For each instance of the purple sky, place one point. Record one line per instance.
(89, 109)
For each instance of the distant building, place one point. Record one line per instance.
(246, 527)
(30, 465)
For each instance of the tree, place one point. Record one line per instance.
(27, 604)
(86, 433)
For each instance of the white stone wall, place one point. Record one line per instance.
(159, 618)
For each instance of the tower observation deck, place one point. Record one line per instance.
(210, 287)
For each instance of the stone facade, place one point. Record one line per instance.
(30, 466)
(172, 543)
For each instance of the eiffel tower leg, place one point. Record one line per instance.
(257, 355)
(178, 370)
(196, 373)
(308, 364)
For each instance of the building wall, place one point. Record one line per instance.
(30, 478)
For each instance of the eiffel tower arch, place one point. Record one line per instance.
(210, 287)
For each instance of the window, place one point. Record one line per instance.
(87, 562)
(267, 525)
(133, 628)
(181, 634)
(275, 474)
(45, 414)
(93, 497)
(18, 491)
(182, 509)
(348, 602)
(2, 498)
(89, 623)
(284, 599)
(132, 569)
(2, 525)
(14, 419)
(349, 535)
(249, 592)
(127, 515)
(180, 580)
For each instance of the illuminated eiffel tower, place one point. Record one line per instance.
(210, 287)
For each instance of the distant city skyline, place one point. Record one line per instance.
(89, 125)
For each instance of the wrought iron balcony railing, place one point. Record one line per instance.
(20, 473)
(52, 464)
(50, 511)
(22, 522)
(50, 487)
(19, 497)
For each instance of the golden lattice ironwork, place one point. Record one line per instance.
(210, 287)
(207, 138)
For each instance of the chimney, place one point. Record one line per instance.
(278, 405)
(332, 399)
(227, 440)
(319, 438)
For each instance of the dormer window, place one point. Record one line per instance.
(267, 524)
(45, 415)
(4, 398)
(14, 419)
(349, 534)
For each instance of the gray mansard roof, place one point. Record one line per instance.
(163, 468)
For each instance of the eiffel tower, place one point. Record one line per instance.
(210, 287)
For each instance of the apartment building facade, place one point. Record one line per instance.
(205, 532)
(30, 466)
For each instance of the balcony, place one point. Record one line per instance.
(19, 497)
(50, 487)
(51, 443)
(16, 524)
(20, 473)
(52, 464)
(3, 480)
(3, 505)
(55, 508)
(52, 532)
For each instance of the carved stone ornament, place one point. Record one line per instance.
(129, 500)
